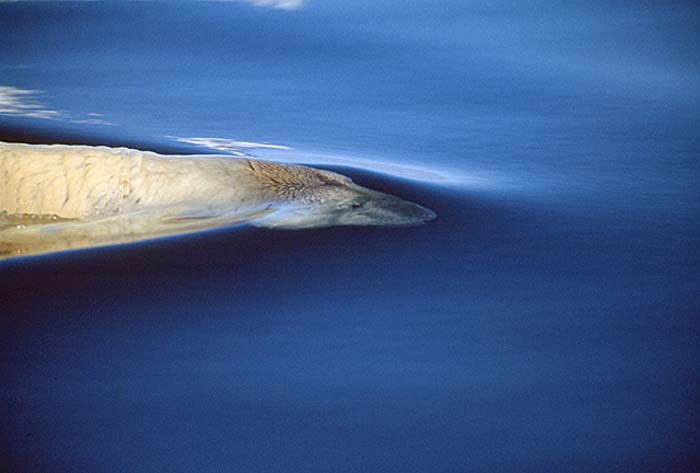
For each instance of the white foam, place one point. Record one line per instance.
(93, 121)
(24, 103)
(280, 4)
(234, 147)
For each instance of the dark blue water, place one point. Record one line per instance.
(547, 321)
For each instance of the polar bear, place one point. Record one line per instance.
(89, 183)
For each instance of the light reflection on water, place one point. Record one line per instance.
(25, 236)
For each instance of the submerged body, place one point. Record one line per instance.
(119, 194)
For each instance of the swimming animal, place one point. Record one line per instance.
(89, 183)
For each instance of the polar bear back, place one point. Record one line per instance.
(85, 181)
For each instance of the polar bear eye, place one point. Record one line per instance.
(352, 205)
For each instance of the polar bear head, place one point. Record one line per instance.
(313, 198)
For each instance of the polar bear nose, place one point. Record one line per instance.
(390, 210)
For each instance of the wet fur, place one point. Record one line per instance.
(85, 183)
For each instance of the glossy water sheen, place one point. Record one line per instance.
(546, 321)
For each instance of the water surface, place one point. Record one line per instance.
(546, 321)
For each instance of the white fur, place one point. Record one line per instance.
(80, 182)
(55, 197)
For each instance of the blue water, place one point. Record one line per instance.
(546, 321)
